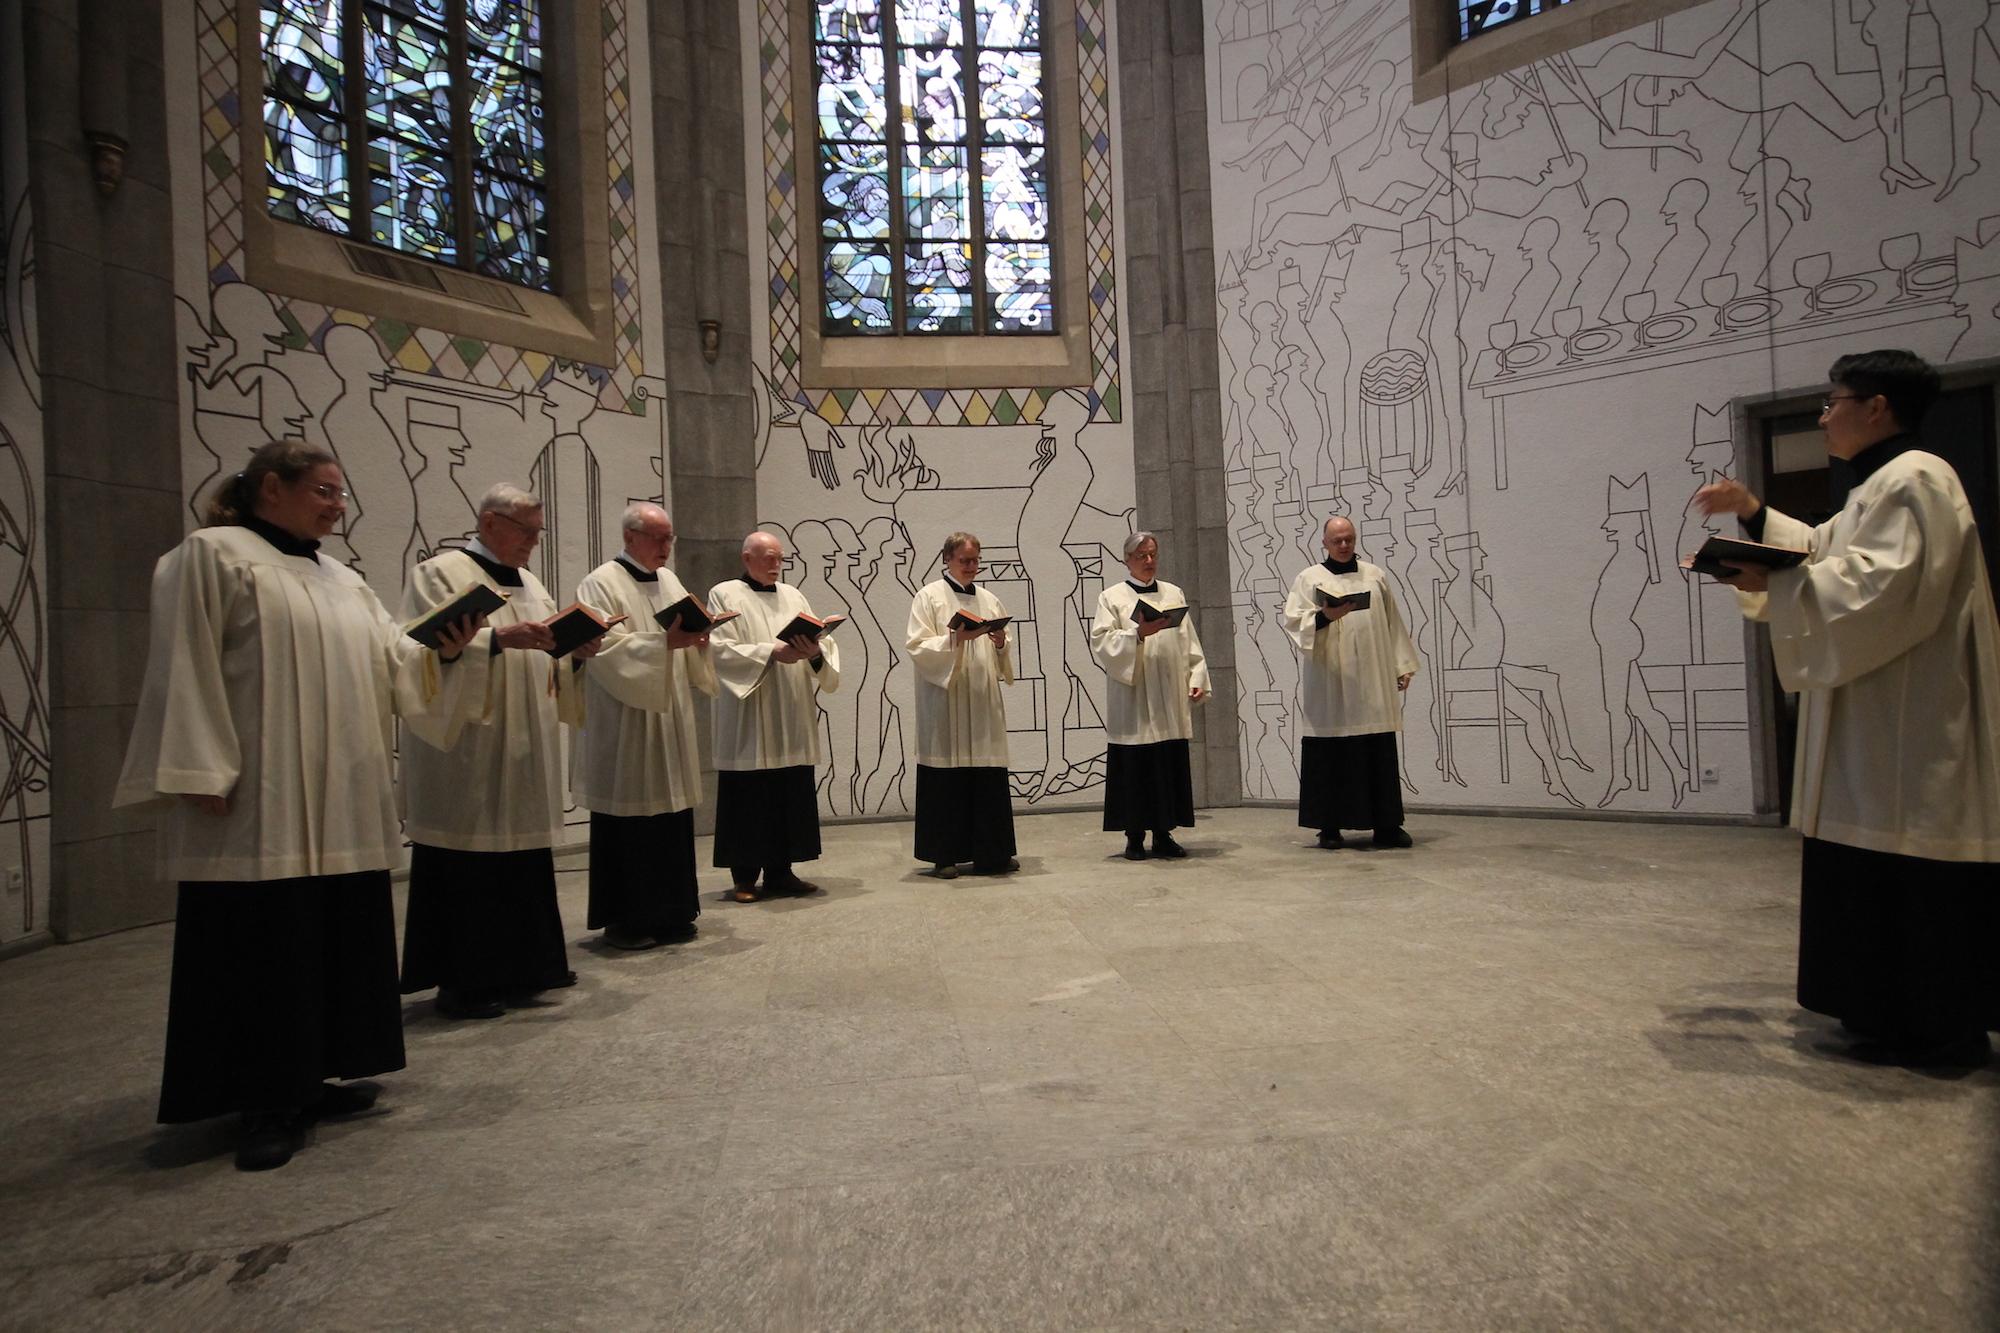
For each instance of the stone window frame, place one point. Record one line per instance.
(955, 361)
(1440, 63)
(575, 322)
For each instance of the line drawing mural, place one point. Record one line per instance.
(24, 698)
(1500, 329)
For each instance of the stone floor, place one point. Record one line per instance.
(1530, 1074)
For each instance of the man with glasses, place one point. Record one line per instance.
(483, 925)
(1888, 634)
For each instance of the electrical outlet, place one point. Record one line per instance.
(17, 883)
(1709, 775)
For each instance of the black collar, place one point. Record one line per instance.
(760, 587)
(961, 587)
(1333, 566)
(638, 575)
(505, 575)
(286, 543)
(1154, 586)
(1871, 460)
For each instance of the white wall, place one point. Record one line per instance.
(24, 714)
(864, 484)
(1721, 204)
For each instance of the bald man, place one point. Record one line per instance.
(638, 758)
(766, 726)
(1358, 660)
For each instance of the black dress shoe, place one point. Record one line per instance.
(339, 1099)
(564, 982)
(789, 883)
(630, 941)
(1006, 867)
(269, 1140)
(944, 870)
(1135, 847)
(1164, 845)
(454, 1004)
(1966, 1051)
(677, 934)
(1330, 840)
(1392, 837)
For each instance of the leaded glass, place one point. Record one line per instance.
(929, 23)
(409, 201)
(305, 167)
(1477, 16)
(302, 57)
(1007, 23)
(409, 80)
(508, 29)
(505, 107)
(430, 11)
(847, 21)
(513, 239)
(859, 287)
(853, 103)
(955, 239)
(854, 190)
(935, 189)
(1019, 278)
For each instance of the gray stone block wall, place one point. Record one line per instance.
(1174, 390)
(104, 286)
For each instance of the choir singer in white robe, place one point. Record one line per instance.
(1357, 662)
(964, 810)
(766, 726)
(1888, 635)
(482, 924)
(1155, 673)
(267, 721)
(638, 759)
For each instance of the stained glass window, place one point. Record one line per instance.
(414, 124)
(1477, 16)
(933, 170)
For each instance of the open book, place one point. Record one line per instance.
(810, 626)
(692, 615)
(1708, 560)
(478, 600)
(1146, 612)
(576, 625)
(1333, 601)
(985, 625)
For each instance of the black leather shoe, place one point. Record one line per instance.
(1006, 867)
(944, 870)
(1392, 837)
(788, 883)
(677, 934)
(1164, 845)
(1330, 840)
(453, 1004)
(627, 940)
(1135, 848)
(339, 1099)
(269, 1140)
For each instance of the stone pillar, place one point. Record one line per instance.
(705, 277)
(104, 285)
(1174, 387)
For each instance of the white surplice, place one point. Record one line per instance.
(637, 752)
(961, 719)
(1889, 636)
(765, 715)
(1147, 697)
(1351, 665)
(499, 789)
(275, 680)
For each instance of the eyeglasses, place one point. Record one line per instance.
(509, 518)
(326, 490)
(1826, 403)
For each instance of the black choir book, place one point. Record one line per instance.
(806, 625)
(478, 600)
(576, 625)
(1708, 560)
(966, 620)
(1146, 611)
(692, 615)
(1333, 601)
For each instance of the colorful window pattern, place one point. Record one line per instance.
(1477, 16)
(933, 167)
(415, 124)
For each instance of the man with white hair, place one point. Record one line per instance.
(1358, 660)
(767, 725)
(638, 760)
(483, 925)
